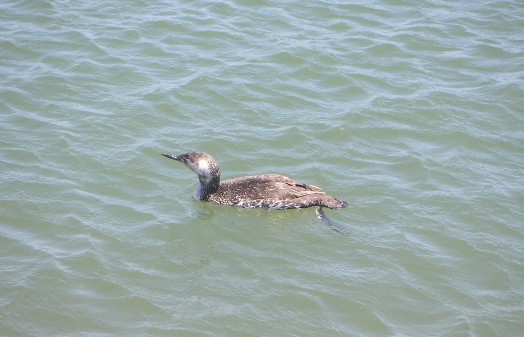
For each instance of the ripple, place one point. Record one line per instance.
(410, 113)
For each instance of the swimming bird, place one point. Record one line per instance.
(268, 191)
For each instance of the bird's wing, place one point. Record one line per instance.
(265, 186)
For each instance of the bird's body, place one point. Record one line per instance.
(269, 191)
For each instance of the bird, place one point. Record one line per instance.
(266, 191)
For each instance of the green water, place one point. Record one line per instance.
(410, 111)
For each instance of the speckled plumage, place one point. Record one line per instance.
(270, 191)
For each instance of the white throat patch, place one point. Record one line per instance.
(203, 168)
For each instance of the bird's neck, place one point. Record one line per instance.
(208, 186)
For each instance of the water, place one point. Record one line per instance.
(410, 111)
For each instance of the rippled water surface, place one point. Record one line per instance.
(412, 111)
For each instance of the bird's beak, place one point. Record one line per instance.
(170, 156)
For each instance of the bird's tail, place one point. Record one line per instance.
(332, 203)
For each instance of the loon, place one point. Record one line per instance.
(268, 191)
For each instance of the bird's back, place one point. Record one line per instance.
(272, 191)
